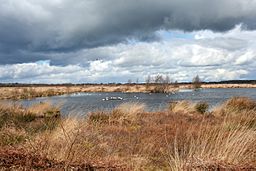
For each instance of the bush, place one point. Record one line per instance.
(202, 107)
(196, 82)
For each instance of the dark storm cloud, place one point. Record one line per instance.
(65, 25)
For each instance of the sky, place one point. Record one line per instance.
(106, 41)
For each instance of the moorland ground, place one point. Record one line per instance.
(184, 136)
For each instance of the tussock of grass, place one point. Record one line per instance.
(11, 136)
(189, 107)
(99, 117)
(128, 112)
(123, 114)
(182, 106)
(57, 144)
(202, 107)
(178, 105)
(240, 104)
(44, 109)
(236, 106)
(214, 148)
(18, 123)
(131, 108)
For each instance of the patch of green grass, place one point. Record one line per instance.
(3, 119)
(28, 117)
(7, 139)
(44, 124)
(52, 113)
(202, 107)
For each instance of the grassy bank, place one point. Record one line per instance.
(185, 136)
(32, 92)
(45, 91)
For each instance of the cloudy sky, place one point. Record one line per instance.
(61, 41)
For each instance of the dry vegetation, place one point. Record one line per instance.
(32, 92)
(158, 87)
(185, 136)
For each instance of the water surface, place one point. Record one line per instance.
(82, 103)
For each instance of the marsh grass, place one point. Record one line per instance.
(130, 138)
(45, 109)
(240, 104)
(182, 106)
(18, 123)
(237, 107)
(214, 148)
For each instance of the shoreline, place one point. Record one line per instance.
(29, 92)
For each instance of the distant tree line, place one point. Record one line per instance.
(161, 83)
(148, 80)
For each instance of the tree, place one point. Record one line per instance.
(129, 81)
(161, 84)
(176, 84)
(159, 79)
(148, 80)
(137, 81)
(196, 82)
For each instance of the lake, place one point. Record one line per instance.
(82, 103)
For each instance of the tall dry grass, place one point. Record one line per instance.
(130, 138)
(214, 148)
(17, 123)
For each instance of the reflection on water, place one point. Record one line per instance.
(82, 103)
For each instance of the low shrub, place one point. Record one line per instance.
(202, 107)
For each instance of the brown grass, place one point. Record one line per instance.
(236, 106)
(182, 107)
(32, 92)
(44, 109)
(18, 123)
(130, 138)
(44, 91)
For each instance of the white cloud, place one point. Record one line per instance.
(181, 58)
(100, 66)
(247, 57)
(227, 74)
(36, 72)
